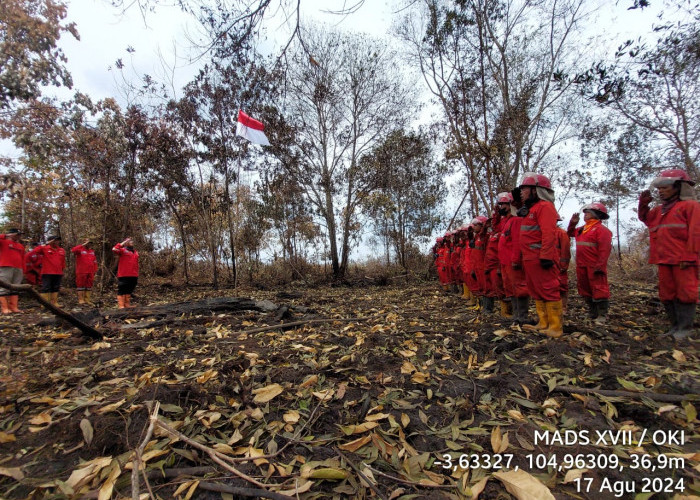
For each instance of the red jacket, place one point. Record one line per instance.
(538, 232)
(492, 259)
(509, 242)
(674, 236)
(54, 259)
(85, 260)
(564, 247)
(128, 261)
(593, 247)
(32, 262)
(11, 253)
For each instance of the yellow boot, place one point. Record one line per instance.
(506, 308)
(554, 315)
(54, 299)
(81, 297)
(46, 297)
(543, 322)
(465, 291)
(88, 297)
(5, 305)
(475, 303)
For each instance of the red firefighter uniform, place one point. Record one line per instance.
(593, 247)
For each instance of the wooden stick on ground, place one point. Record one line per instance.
(359, 473)
(654, 396)
(86, 329)
(136, 464)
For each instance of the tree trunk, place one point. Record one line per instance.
(183, 239)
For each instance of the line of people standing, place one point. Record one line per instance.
(520, 253)
(44, 266)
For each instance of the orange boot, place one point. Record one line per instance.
(121, 299)
(81, 297)
(14, 301)
(127, 301)
(5, 305)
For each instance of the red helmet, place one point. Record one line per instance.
(439, 239)
(602, 211)
(668, 177)
(533, 179)
(504, 197)
(479, 219)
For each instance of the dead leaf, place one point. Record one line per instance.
(523, 485)
(267, 393)
(88, 432)
(679, 356)
(41, 419)
(355, 445)
(110, 408)
(7, 438)
(573, 474)
(358, 429)
(13, 472)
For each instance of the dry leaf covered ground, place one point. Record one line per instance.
(405, 394)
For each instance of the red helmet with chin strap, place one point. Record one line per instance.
(602, 211)
(533, 179)
(504, 197)
(668, 177)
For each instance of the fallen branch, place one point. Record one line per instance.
(241, 492)
(362, 476)
(138, 452)
(86, 329)
(412, 483)
(215, 455)
(293, 324)
(654, 396)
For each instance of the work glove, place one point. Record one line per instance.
(516, 266)
(685, 265)
(473, 275)
(599, 272)
(645, 197)
(517, 198)
(546, 263)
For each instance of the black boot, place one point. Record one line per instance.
(488, 305)
(670, 308)
(592, 308)
(601, 307)
(523, 309)
(514, 305)
(685, 314)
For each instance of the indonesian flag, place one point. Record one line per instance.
(251, 129)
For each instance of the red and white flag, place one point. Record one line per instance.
(251, 129)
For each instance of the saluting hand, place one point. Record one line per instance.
(645, 197)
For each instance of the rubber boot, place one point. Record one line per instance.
(670, 307)
(13, 300)
(121, 301)
(523, 310)
(686, 317)
(81, 297)
(127, 301)
(46, 297)
(507, 307)
(602, 306)
(592, 308)
(554, 316)
(444, 288)
(471, 298)
(5, 304)
(477, 303)
(487, 304)
(54, 299)
(465, 291)
(543, 320)
(88, 297)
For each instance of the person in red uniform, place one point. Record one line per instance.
(127, 271)
(85, 269)
(11, 268)
(52, 266)
(440, 258)
(593, 247)
(478, 238)
(32, 266)
(464, 264)
(492, 259)
(564, 248)
(512, 263)
(540, 257)
(674, 245)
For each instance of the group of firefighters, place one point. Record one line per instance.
(520, 253)
(44, 266)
